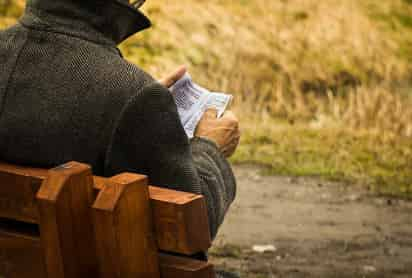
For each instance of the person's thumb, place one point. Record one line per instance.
(172, 78)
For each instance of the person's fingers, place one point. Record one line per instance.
(211, 113)
(229, 149)
(171, 79)
(231, 119)
(229, 114)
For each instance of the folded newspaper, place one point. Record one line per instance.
(192, 102)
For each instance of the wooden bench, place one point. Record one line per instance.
(65, 222)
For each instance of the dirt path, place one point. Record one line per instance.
(319, 229)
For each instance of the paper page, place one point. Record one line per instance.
(188, 98)
(192, 101)
(220, 102)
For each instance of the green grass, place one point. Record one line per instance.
(226, 250)
(265, 51)
(385, 166)
(397, 24)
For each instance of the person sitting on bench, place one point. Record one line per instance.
(66, 94)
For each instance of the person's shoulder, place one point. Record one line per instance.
(104, 68)
(117, 70)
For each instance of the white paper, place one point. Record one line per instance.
(264, 248)
(192, 101)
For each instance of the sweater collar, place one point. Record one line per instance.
(116, 20)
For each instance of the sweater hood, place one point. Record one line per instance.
(115, 19)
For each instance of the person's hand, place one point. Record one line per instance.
(224, 131)
(172, 78)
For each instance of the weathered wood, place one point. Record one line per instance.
(126, 246)
(66, 227)
(180, 267)
(20, 255)
(180, 219)
(18, 189)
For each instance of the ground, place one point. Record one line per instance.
(319, 229)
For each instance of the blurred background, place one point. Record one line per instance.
(323, 89)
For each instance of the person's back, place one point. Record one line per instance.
(63, 86)
(67, 94)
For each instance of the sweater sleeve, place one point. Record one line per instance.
(217, 181)
(148, 138)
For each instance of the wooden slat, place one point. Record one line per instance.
(66, 226)
(124, 234)
(180, 267)
(20, 256)
(18, 191)
(180, 218)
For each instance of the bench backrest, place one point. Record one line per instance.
(65, 222)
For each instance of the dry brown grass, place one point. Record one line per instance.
(331, 76)
(325, 75)
(326, 62)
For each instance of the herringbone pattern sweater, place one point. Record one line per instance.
(67, 94)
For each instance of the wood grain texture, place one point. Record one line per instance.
(62, 210)
(66, 226)
(20, 255)
(126, 246)
(18, 189)
(180, 219)
(182, 267)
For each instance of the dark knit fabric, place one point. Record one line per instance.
(67, 94)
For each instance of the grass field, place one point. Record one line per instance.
(322, 88)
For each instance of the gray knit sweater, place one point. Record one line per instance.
(67, 94)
